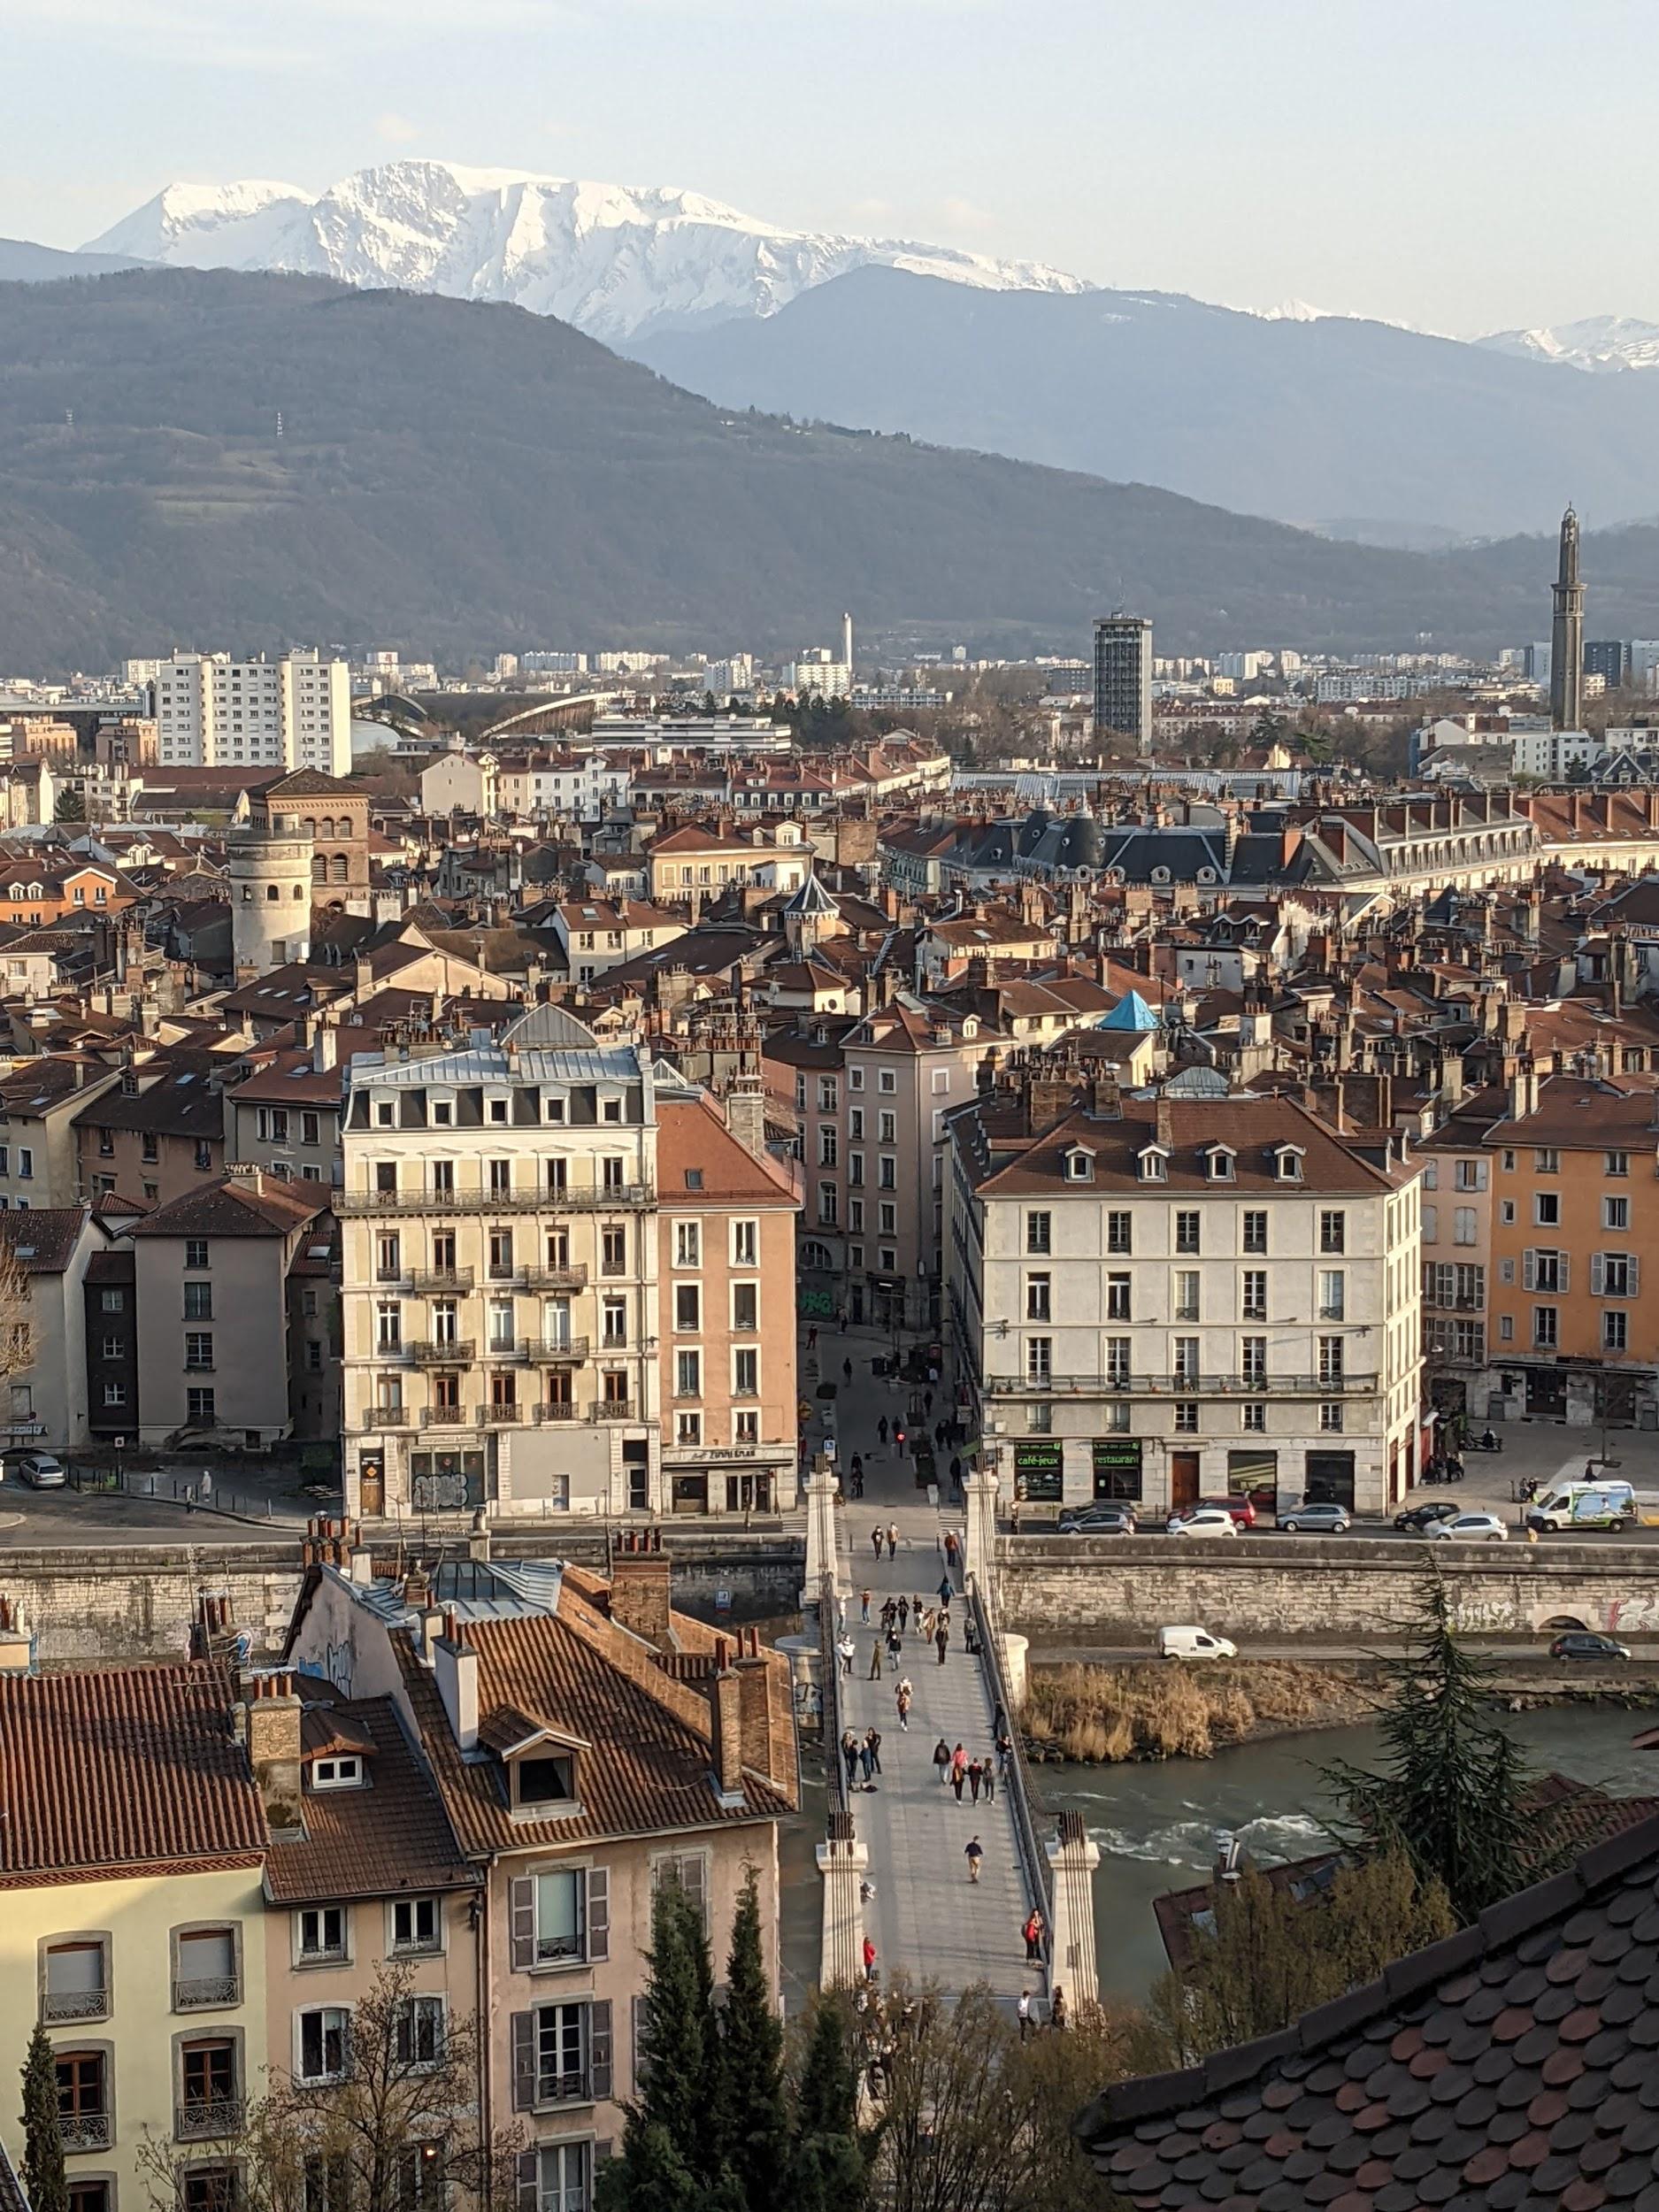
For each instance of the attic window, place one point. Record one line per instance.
(548, 1780)
(1160, 875)
(1288, 1163)
(442, 1113)
(1220, 1165)
(1080, 1164)
(343, 1773)
(1153, 1164)
(693, 1178)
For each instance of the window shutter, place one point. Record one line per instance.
(599, 2047)
(524, 2061)
(1529, 1269)
(522, 1921)
(1598, 1273)
(598, 1912)
(1563, 1261)
(1635, 1266)
(526, 2182)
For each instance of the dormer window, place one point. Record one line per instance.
(1221, 1161)
(500, 1108)
(342, 1773)
(970, 1027)
(443, 1111)
(553, 1109)
(1078, 1163)
(1288, 1162)
(1154, 1164)
(548, 1780)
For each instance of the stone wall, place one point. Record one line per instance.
(138, 1601)
(1318, 1590)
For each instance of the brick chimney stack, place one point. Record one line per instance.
(270, 1727)
(725, 1708)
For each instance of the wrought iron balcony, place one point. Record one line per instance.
(441, 1352)
(74, 2004)
(499, 1416)
(449, 1203)
(556, 1279)
(507, 1350)
(1170, 1386)
(614, 1409)
(85, 2130)
(441, 1282)
(569, 1351)
(556, 1410)
(387, 1416)
(207, 2119)
(499, 1278)
(206, 1993)
(445, 1418)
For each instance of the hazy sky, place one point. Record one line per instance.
(1402, 159)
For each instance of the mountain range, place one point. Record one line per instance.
(466, 477)
(614, 260)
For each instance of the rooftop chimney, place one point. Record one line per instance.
(454, 1669)
(640, 1594)
(726, 1731)
(270, 1731)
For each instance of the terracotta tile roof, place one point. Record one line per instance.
(1511, 2065)
(574, 1671)
(383, 1841)
(122, 1767)
(43, 1239)
(177, 1096)
(692, 1137)
(237, 1206)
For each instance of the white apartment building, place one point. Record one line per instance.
(819, 674)
(291, 712)
(1162, 1300)
(503, 1337)
(1552, 754)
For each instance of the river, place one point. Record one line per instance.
(1158, 1825)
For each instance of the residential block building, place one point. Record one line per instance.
(506, 1342)
(295, 712)
(1160, 1298)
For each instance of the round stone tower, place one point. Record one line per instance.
(269, 900)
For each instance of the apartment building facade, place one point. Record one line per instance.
(1159, 1300)
(292, 712)
(505, 1345)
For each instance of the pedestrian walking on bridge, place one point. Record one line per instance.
(875, 1659)
(893, 1540)
(973, 1851)
(875, 1537)
(942, 1759)
(903, 1611)
(872, 1752)
(942, 1637)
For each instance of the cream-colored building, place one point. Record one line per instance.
(1161, 1300)
(588, 1743)
(504, 1341)
(132, 1924)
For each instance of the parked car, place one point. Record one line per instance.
(1580, 1643)
(1320, 1517)
(1241, 1508)
(1204, 1520)
(1416, 1518)
(40, 1471)
(1471, 1528)
(1098, 1520)
(1193, 1643)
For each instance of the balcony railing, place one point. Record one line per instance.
(387, 1416)
(556, 1279)
(440, 1352)
(556, 1410)
(499, 1416)
(568, 1352)
(74, 2004)
(442, 1282)
(507, 1349)
(504, 1278)
(574, 2088)
(206, 1993)
(448, 1202)
(444, 1417)
(1169, 1386)
(392, 1278)
(614, 1409)
(84, 2131)
(206, 2119)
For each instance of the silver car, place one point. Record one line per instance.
(1469, 1528)
(1320, 1517)
(40, 1471)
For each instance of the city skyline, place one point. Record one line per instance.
(932, 122)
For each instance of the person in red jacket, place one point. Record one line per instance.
(869, 1959)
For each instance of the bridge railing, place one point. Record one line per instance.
(835, 1721)
(1016, 1781)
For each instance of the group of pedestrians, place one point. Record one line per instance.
(1058, 2014)
(861, 1755)
(957, 1772)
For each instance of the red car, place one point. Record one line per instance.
(1243, 1511)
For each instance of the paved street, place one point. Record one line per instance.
(926, 1918)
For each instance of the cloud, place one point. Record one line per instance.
(396, 128)
(959, 214)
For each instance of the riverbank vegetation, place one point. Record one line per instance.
(1105, 1715)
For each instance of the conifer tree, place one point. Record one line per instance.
(751, 2045)
(827, 2168)
(670, 2157)
(43, 2175)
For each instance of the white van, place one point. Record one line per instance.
(1193, 1643)
(1584, 1505)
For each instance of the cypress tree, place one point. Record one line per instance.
(670, 2160)
(751, 2050)
(827, 2169)
(1452, 1795)
(42, 2174)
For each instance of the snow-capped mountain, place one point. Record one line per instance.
(612, 259)
(1600, 343)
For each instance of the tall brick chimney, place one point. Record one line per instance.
(726, 1709)
(270, 1731)
(640, 1595)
